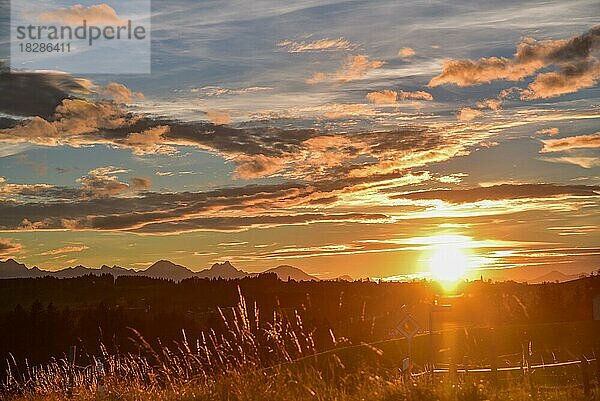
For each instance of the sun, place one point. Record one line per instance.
(448, 262)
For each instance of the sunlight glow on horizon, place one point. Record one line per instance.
(450, 258)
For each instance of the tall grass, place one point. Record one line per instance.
(251, 359)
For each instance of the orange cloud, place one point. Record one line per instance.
(416, 95)
(140, 183)
(548, 131)
(66, 249)
(256, 166)
(502, 192)
(383, 97)
(570, 79)
(96, 15)
(218, 117)
(573, 142)
(120, 93)
(150, 141)
(468, 114)
(406, 52)
(577, 67)
(390, 96)
(355, 67)
(8, 247)
(492, 104)
(485, 70)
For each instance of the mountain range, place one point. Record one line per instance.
(162, 269)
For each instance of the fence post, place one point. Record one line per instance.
(452, 370)
(71, 365)
(522, 369)
(528, 355)
(431, 353)
(494, 359)
(597, 357)
(585, 375)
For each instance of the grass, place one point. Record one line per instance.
(252, 360)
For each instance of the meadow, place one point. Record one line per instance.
(276, 354)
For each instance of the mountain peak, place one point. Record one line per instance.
(223, 270)
(164, 269)
(287, 272)
(225, 266)
(168, 270)
(555, 276)
(11, 262)
(10, 268)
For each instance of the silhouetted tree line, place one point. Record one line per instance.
(40, 318)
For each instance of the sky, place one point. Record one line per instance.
(361, 138)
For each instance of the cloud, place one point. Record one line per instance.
(10, 191)
(577, 68)
(103, 182)
(37, 94)
(218, 117)
(120, 93)
(218, 91)
(63, 250)
(345, 110)
(235, 208)
(572, 142)
(548, 131)
(256, 166)
(355, 67)
(316, 45)
(468, 114)
(140, 183)
(581, 161)
(390, 96)
(99, 14)
(8, 247)
(569, 79)
(485, 70)
(36, 130)
(502, 192)
(150, 141)
(316, 78)
(406, 52)
(416, 95)
(492, 104)
(256, 151)
(78, 116)
(245, 222)
(383, 97)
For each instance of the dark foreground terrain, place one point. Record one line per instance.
(264, 339)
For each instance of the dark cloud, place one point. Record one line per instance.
(37, 94)
(78, 210)
(239, 223)
(502, 192)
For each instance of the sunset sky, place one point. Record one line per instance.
(340, 137)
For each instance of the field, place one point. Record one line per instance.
(279, 354)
